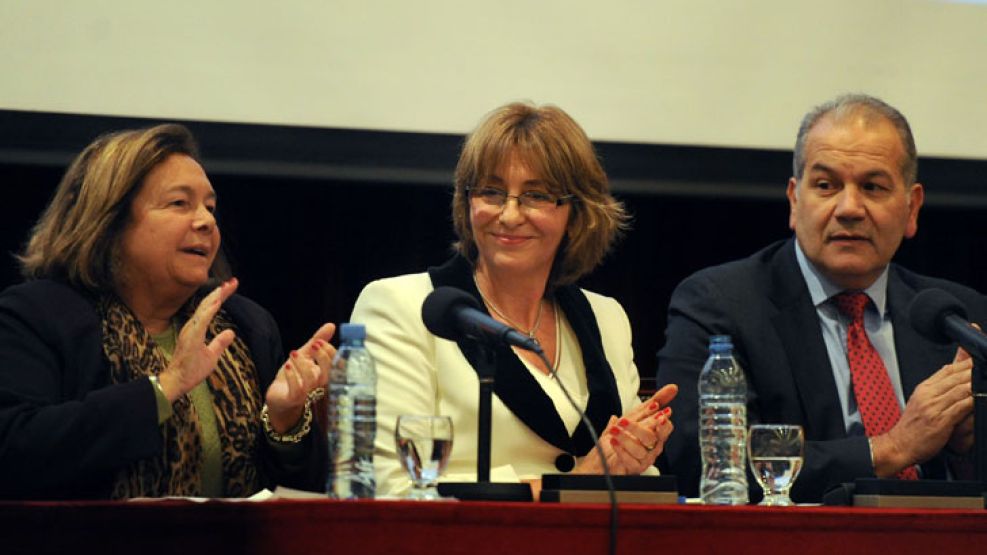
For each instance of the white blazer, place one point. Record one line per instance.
(419, 373)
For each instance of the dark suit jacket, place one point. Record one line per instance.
(65, 430)
(764, 304)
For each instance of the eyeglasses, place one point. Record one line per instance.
(534, 200)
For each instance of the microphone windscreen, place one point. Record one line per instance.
(929, 308)
(438, 311)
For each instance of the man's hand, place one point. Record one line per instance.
(961, 440)
(931, 417)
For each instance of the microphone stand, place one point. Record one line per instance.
(483, 438)
(980, 417)
(483, 489)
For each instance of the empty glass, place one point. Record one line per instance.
(775, 454)
(424, 444)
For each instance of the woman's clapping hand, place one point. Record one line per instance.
(193, 359)
(632, 442)
(304, 374)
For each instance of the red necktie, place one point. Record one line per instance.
(872, 388)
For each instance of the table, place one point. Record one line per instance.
(477, 528)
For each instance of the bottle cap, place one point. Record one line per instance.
(352, 332)
(720, 343)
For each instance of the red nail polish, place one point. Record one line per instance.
(287, 366)
(614, 431)
(653, 405)
(624, 422)
(614, 442)
(667, 410)
(294, 354)
(661, 419)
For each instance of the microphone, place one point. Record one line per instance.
(940, 317)
(452, 313)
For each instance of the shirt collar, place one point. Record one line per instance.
(821, 289)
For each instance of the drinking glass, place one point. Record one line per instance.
(424, 444)
(775, 454)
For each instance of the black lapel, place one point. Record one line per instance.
(518, 389)
(604, 400)
(918, 358)
(798, 328)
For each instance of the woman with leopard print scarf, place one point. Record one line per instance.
(128, 366)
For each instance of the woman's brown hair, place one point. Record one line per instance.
(555, 147)
(76, 237)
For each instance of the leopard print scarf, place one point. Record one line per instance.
(236, 400)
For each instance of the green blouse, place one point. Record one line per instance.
(201, 397)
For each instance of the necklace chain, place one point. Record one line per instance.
(554, 371)
(531, 332)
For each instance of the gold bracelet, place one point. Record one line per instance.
(316, 394)
(289, 437)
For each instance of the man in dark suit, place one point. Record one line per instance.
(853, 198)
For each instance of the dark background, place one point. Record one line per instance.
(310, 215)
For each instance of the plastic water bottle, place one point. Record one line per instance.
(352, 417)
(723, 426)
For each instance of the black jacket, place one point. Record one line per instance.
(65, 430)
(764, 304)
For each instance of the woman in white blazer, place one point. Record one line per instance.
(533, 214)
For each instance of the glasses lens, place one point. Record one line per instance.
(534, 200)
(489, 195)
(537, 200)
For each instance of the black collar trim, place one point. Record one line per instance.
(518, 389)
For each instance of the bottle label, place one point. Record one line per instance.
(352, 429)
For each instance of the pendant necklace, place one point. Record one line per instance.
(531, 332)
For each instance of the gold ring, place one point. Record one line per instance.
(651, 447)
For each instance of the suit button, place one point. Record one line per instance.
(565, 462)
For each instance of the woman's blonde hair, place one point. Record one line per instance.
(76, 237)
(554, 146)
